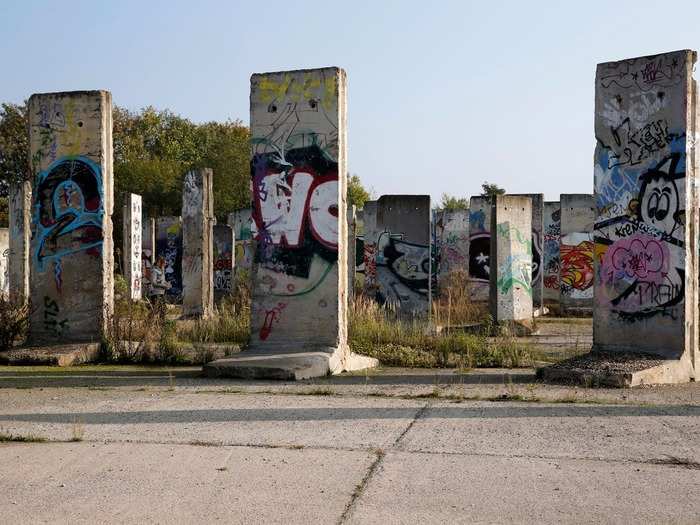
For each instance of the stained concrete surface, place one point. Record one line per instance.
(397, 446)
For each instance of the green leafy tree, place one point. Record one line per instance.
(357, 194)
(489, 190)
(451, 203)
(14, 145)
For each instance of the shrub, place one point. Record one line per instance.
(14, 322)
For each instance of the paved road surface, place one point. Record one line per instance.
(192, 450)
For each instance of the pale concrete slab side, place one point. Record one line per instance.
(511, 261)
(20, 204)
(537, 200)
(132, 214)
(197, 244)
(71, 254)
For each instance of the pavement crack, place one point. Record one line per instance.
(361, 486)
(418, 415)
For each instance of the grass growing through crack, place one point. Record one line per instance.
(20, 438)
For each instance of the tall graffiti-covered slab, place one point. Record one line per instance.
(510, 297)
(550, 253)
(299, 213)
(645, 229)
(71, 254)
(576, 253)
(404, 279)
(479, 248)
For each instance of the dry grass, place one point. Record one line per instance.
(380, 333)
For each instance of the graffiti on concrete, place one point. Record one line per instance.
(69, 210)
(576, 260)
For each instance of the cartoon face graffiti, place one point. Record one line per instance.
(660, 204)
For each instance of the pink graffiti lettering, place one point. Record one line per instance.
(637, 257)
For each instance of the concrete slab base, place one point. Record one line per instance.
(582, 371)
(293, 366)
(58, 355)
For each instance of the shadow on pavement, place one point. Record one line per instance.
(350, 413)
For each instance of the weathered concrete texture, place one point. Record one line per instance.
(646, 201)
(224, 244)
(241, 221)
(72, 261)
(451, 247)
(5, 263)
(576, 254)
(132, 242)
(369, 247)
(479, 248)
(20, 204)
(83, 483)
(55, 355)
(299, 183)
(169, 246)
(352, 235)
(403, 258)
(197, 244)
(537, 200)
(550, 254)
(510, 300)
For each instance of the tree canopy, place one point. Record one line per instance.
(153, 149)
(357, 194)
(452, 203)
(489, 190)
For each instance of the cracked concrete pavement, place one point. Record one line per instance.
(402, 450)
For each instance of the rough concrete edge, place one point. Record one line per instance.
(669, 372)
(65, 355)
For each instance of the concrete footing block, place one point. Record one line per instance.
(59, 355)
(593, 370)
(287, 367)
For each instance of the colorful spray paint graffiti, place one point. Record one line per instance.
(403, 274)
(169, 246)
(576, 259)
(550, 248)
(71, 252)
(223, 261)
(479, 248)
(451, 244)
(4, 263)
(68, 211)
(516, 268)
(297, 207)
(641, 255)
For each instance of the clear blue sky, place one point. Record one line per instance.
(442, 95)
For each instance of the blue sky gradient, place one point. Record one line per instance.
(442, 95)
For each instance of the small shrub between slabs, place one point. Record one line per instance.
(14, 322)
(378, 332)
